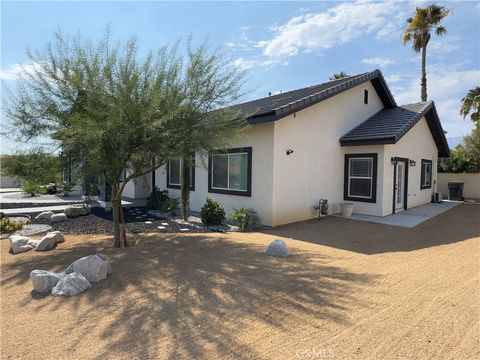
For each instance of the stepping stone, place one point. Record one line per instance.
(151, 219)
(183, 229)
(148, 222)
(144, 215)
(138, 217)
(165, 224)
(161, 227)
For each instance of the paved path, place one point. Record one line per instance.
(411, 217)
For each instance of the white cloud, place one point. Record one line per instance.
(245, 64)
(378, 61)
(337, 25)
(16, 70)
(393, 78)
(445, 45)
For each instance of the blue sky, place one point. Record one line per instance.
(283, 45)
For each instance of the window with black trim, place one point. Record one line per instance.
(174, 168)
(426, 175)
(365, 96)
(230, 171)
(360, 177)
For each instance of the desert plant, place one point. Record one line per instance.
(212, 213)
(245, 219)
(67, 189)
(32, 188)
(157, 199)
(8, 226)
(170, 206)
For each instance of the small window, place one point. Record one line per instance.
(360, 177)
(426, 176)
(230, 171)
(365, 96)
(174, 168)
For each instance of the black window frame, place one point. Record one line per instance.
(422, 174)
(248, 151)
(175, 186)
(346, 177)
(365, 96)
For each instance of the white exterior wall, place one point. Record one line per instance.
(315, 170)
(260, 138)
(471, 187)
(416, 144)
(138, 188)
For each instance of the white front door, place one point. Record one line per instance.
(399, 186)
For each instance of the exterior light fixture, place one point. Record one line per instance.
(289, 151)
(394, 161)
(412, 162)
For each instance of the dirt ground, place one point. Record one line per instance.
(350, 290)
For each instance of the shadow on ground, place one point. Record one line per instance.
(188, 297)
(457, 224)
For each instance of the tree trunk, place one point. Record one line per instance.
(118, 240)
(185, 187)
(423, 92)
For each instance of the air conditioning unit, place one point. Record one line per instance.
(437, 197)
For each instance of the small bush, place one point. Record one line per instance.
(9, 226)
(67, 189)
(170, 206)
(158, 199)
(245, 219)
(32, 188)
(212, 213)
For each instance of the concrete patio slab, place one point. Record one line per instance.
(411, 217)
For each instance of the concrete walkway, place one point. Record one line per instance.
(411, 217)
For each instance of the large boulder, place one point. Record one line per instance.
(94, 267)
(48, 242)
(43, 281)
(20, 244)
(77, 210)
(277, 248)
(56, 218)
(57, 235)
(70, 285)
(44, 215)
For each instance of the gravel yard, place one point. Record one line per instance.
(349, 290)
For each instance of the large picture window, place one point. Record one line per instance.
(230, 171)
(360, 178)
(426, 176)
(174, 168)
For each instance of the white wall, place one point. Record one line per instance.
(416, 144)
(8, 182)
(260, 138)
(316, 168)
(471, 188)
(138, 188)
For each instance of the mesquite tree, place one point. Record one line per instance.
(115, 109)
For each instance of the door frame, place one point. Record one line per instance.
(405, 184)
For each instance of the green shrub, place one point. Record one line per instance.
(32, 188)
(67, 189)
(170, 206)
(158, 199)
(245, 219)
(9, 226)
(212, 213)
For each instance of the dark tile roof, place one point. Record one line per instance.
(390, 124)
(275, 107)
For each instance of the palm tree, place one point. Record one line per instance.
(340, 75)
(471, 105)
(418, 32)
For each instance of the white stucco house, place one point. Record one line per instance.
(345, 140)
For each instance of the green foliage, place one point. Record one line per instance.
(212, 213)
(9, 226)
(471, 105)
(157, 198)
(34, 166)
(33, 188)
(465, 158)
(67, 189)
(340, 75)
(170, 206)
(246, 219)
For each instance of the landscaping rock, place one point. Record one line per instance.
(70, 285)
(48, 242)
(94, 267)
(20, 244)
(57, 235)
(56, 218)
(77, 210)
(44, 215)
(43, 281)
(277, 248)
